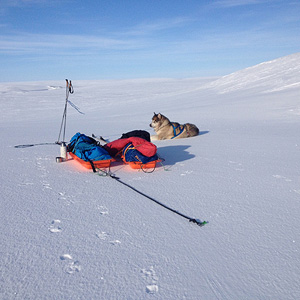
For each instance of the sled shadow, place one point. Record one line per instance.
(174, 154)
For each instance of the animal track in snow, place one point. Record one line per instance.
(55, 226)
(151, 289)
(41, 167)
(282, 177)
(102, 235)
(63, 197)
(66, 257)
(150, 276)
(103, 210)
(46, 185)
(115, 242)
(186, 173)
(71, 266)
(237, 166)
(25, 183)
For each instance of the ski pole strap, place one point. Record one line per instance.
(196, 221)
(69, 86)
(71, 89)
(75, 107)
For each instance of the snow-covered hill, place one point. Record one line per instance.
(271, 76)
(67, 233)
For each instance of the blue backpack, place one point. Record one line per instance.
(86, 148)
(130, 154)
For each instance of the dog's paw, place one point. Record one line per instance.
(154, 137)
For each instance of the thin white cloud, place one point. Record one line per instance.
(142, 45)
(14, 3)
(48, 43)
(233, 3)
(147, 28)
(6, 5)
(141, 36)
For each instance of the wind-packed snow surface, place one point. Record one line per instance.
(67, 233)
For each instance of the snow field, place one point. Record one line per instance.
(70, 234)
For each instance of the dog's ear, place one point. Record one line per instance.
(159, 115)
(154, 114)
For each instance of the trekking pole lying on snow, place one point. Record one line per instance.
(193, 220)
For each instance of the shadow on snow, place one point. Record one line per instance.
(176, 153)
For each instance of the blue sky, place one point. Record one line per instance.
(120, 39)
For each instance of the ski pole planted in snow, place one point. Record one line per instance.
(69, 89)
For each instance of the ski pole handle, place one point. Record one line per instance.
(71, 90)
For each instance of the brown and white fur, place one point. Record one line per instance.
(165, 129)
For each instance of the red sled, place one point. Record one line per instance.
(97, 163)
(140, 165)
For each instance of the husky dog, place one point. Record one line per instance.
(171, 130)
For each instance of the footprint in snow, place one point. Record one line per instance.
(103, 210)
(151, 289)
(103, 236)
(55, 226)
(66, 257)
(71, 265)
(151, 278)
(186, 173)
(66, 198)
(115, 242)
(61, 196)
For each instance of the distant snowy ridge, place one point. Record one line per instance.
(275, 75)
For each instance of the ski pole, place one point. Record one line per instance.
(69, 89)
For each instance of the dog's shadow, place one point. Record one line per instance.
(203, 132)
(178, 153)
(175, 154)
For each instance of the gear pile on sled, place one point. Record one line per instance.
(137, 152)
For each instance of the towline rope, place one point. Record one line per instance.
(193, 220)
